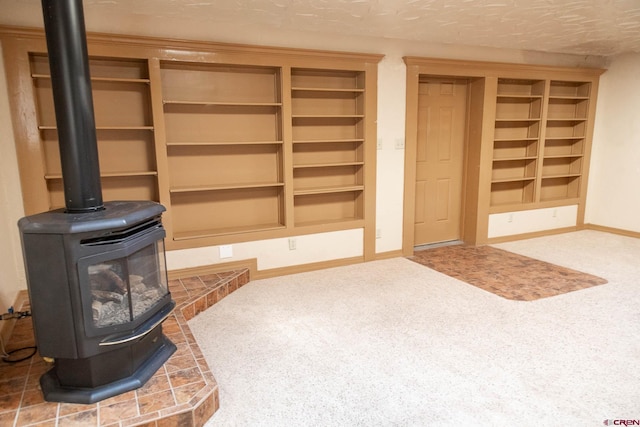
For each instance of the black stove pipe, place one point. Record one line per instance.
(73, 101)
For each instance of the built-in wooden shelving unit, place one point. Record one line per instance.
(539, 141)
(516, 140)
(123, 122)
(328, 145)
(237, 142)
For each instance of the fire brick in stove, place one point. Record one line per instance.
(98, 287)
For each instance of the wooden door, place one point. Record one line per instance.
(442, 115)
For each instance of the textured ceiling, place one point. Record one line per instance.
(583, 27)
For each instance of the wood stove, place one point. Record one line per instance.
(96, 271)
(99, 292)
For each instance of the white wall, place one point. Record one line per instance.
(276, 253)
(391, 119)
(12, 277)
(613, 196)
(532, 220)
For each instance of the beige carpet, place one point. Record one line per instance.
(392, 343)
(505, 273)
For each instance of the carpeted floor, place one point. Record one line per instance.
(392, 343)
(504, 273)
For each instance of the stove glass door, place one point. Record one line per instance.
(123, 289)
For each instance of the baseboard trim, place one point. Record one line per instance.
(613, 230)
(512, 237)
(595, 227)
(389, 254)
(251, 264)
(303, 268)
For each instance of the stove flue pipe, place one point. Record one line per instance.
(73, 101)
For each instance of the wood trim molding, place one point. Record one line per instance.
(251, 264)
(465, 68)
(410, 153)
(595, 227)
(612, 230)
(302, 268)
(194, 45)
(390, 254)
(531, 235)
(370, 161)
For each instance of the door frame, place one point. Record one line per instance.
(474, 214)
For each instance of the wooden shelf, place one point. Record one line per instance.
(512, 192)
(111, 175)
(518, 120)
(564, 156)
(569, 89)
(511, 159)
(202, 188)
(188, 235)
(99, 79)
(518, 97)
(326, 165)
(515, 139)
(223, 104)
(555, 188)
(563, 200)
(346, 223)
(328, 116)
(328, 141)
(568, 175)
(214, 143)
(532, 178)
(105, 128)
(571, 98)
(327, 190)
(563, 138)
(526, 88)
(566, 119)
(328, 90)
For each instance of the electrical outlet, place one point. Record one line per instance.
(379, 143)
(378, 233)
(399, 144)
(510, 218)
(293, 245)
(226, 251)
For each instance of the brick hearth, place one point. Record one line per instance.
(182, 393)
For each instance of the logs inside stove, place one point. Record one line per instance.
(96, 271)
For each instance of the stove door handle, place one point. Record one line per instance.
(135, 336)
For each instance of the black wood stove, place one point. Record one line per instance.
(96, 271)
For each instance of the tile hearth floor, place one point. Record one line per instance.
(506, 274)
(182, 393)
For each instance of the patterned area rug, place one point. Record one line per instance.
(503, 273)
